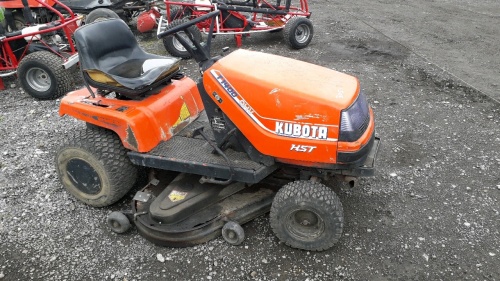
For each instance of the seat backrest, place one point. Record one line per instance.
(103, 44)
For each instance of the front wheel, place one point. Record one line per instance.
(42, 75)
(298, 32)
(173, 46)
(94, 167)
(307, 215)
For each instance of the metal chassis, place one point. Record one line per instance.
(261, 16)
(8, 60)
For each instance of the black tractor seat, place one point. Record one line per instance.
(111, 59)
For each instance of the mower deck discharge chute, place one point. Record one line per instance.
(245, 140)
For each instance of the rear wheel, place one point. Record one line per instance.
(42, 75)
(307, 215)
(173, 46)
(298, 32)
(101, 14)
(94, 167)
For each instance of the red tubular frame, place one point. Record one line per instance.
(8, 60)
(220, 29)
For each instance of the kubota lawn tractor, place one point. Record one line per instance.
(244, 140)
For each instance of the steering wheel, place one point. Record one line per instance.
(187, 24)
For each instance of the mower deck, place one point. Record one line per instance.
(187, 154)
(182, 212)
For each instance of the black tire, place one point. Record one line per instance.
(42, 75)
(298, 32)
(307, 215)
(94, 167)
(19, 22)
(233, 233)
(179, 13)
(100, 14)
(173, 46)
(118, 222)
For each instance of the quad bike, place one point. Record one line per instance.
(246, 139)
(240, 18)
(28, 12)
(41, 55)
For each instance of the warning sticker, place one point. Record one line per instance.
(175, 195)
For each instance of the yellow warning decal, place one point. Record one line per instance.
(184, 114)
(175, 195)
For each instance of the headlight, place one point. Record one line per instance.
(354, 120)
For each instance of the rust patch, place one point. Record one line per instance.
(130, 138)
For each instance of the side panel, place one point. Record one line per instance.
(141, 124)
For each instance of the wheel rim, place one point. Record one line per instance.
(302, 33)
(38, 79)
(177, 45)
(83, 176)
(305, 224)
(231, 236)
(115, 224)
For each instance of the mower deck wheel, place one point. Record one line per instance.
(173, 46)
(233, 233)
(42, 75)
(100, 14)
(298, 32)
(307, 215)
(118, 222)
(94, 167)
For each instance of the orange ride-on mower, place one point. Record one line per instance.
(243, 141)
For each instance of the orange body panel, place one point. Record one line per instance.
(141, 124)
(286, 108)
(18, 4)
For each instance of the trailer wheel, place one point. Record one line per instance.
(298, 32)
(307, 215)
(173, 46)
(94, 167)
(42, 75)
(233, 233)
(101, 14)
(118, 222)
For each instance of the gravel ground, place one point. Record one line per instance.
(430, 213)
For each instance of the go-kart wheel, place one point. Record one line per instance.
(118, 222)
(179, 13)
(307, 215)
(94, 167)
(42, 75)
(19, 22)
(298, 32)
(233, 233)
(173, 46)
(101, 14)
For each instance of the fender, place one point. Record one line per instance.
(140, 124)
